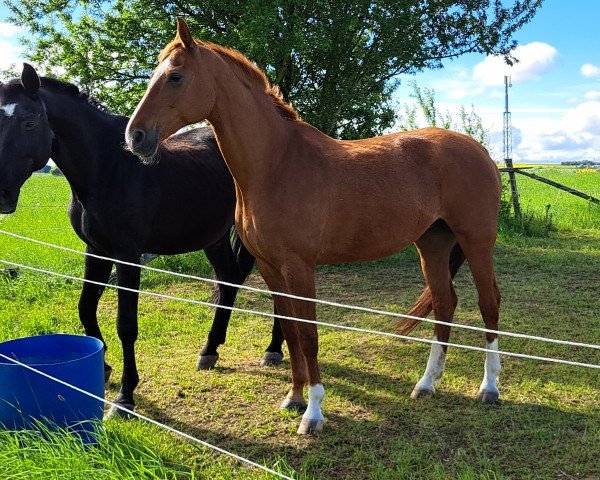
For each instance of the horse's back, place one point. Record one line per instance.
(386, 191)
(432, 160)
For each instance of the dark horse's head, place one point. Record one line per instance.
(25, 135)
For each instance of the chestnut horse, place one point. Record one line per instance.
(304, 199)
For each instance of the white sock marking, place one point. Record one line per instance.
(9, 109)
(315, 397)
(434, 369)
(492, 368)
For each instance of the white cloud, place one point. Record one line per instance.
(590, 71)
(584, 118)
(573, 136)
(535, 59)
(10, 54)
(9, 30)
(592, 95)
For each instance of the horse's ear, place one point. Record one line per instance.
(184, 35)
(30, 80)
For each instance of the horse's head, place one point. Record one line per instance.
(25, 135)
(167, 104)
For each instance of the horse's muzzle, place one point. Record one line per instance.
(141, 143)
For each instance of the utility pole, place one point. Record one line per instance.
(514, 193)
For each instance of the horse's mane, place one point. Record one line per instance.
(65, 87)
(246, 71)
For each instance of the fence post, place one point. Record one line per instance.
(514, 193)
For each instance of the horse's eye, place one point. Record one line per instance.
(29, 125)
(175, 77)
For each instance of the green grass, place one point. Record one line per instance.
(563, 210)
(123, 453)
(547, 427)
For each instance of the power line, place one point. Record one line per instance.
(298, 297)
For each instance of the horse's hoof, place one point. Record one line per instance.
(207, 362)
(271, 359)
(490, 398)
(310, 427)
(115, 412)
(107, 372)
(418, 393)
(298, 406)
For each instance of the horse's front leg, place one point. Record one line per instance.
(95, 270)
(298, 278)
(127, 329)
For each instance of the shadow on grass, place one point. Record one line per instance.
(384, 434)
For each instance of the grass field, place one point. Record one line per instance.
(547, 427)
(565, 211)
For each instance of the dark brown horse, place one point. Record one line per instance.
(304, 198)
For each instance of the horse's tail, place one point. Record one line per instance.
(423, 305)
(244, 258)
(244, 262)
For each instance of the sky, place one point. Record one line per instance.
(555, 95)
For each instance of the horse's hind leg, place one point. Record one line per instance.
(221, 257)
(98, 271)
(480, 258)
(274, 352)
(434, 249)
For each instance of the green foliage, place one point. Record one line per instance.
(425, 113)
(336, 61)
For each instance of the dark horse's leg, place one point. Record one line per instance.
(233, 269)
(98, 271)
(127, 328)
(221, 257)
(274, 353)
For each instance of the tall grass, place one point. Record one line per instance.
(32, 455)
(546, 209)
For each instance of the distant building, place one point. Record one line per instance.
(581, 163)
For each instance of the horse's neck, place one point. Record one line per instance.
(83, 139)
(251, 133)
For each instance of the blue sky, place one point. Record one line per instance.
(555, 98)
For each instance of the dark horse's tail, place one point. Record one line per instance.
(245, 259)
(423, 305)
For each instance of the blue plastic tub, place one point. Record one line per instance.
(27, 398)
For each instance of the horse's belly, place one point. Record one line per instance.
(361, 248)
(374, 233)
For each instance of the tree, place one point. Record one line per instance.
(424, 113)
(337, 61)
